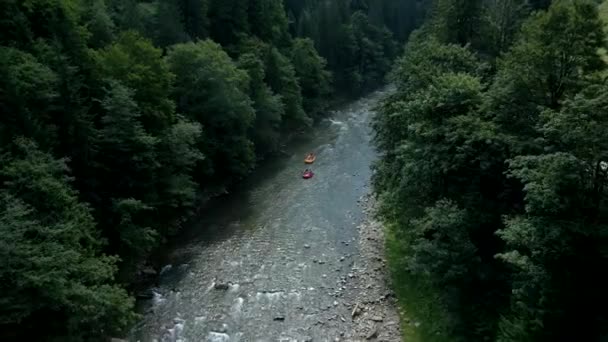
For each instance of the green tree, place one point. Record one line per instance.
(550, 60)
(440, 155)
(457, 21)
(136, 63)
(51, 251)
(501, 21)
(469, 156)
(313, 77)
(196, 19)
(558, 243)
(125, 168)
(375, 50)
(27, 96)
(178, 154)
(268, 21)
(211, 90)
(228, 21)
(169, 26)
(282, 79)
(269, 108)
(99, 23)
(442, 247)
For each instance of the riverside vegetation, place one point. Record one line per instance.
(493, 172)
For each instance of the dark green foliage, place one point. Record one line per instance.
(442, 246)
(229, 20)
(211, 90)
(558, 243)
(52, 265)
(357, 37)
(268, 21)
(136, 63)
(269, 109)
(168, 25)
(27, 95)
(281, 77)
(195, 17)
(501, 22)
(99, 23)
(494, 181)
(559, 49)
(457, 21)
(375, 50)
(154, 106)
(312, 76)
(126, 159)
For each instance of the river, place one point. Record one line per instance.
(268, 263)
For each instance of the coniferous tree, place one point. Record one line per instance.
(51, 251)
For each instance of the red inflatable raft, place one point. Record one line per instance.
(308, 174)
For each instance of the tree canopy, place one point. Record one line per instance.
(493, 169)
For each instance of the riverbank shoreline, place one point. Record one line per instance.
(375, 313)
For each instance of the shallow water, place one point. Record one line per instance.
(281, 244)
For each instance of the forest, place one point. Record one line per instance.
(120, 118)
(494, 169)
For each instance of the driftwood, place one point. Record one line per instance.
(355, 312)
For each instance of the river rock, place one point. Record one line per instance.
(149, 271)
(148, 294)
(372, 334)
(221, 286)
(218, 337)
(306, 246)
(377, 319)
(165, 269)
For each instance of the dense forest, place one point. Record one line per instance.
(120, 117)
(494, 170)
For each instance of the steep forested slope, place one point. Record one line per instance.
(494, 169)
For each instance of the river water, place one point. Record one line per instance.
(282, 245)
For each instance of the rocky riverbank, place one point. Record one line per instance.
(375, 311)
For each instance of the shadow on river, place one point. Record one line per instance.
(262, 264)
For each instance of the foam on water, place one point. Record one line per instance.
(165, 269)
(217, 337)
(237, 307)
(157, 299)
